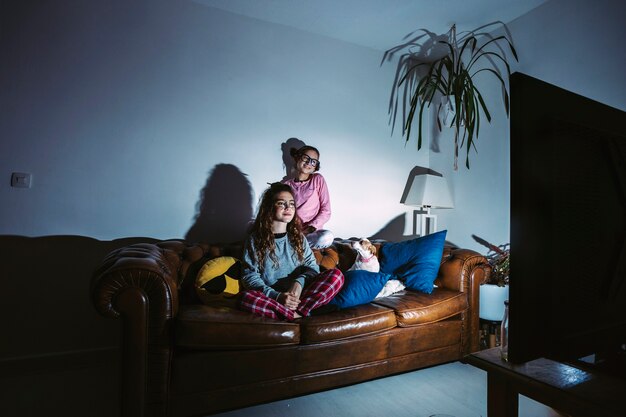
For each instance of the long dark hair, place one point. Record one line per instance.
(297, 154)
(262, 235)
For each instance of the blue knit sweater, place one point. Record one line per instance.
(288, 267)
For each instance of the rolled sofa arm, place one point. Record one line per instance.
(139, 284)
(465, 270)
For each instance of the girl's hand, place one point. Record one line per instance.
(289, 300)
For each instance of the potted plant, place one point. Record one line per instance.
(432, 67)
(496, 290)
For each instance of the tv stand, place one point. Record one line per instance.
(611, 363)
(574, 391)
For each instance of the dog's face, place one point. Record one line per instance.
(364, 247)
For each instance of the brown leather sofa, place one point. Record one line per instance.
(183, 358)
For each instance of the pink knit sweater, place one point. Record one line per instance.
(312, 200)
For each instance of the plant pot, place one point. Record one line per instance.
(492, 300)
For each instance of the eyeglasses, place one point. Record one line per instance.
(309, 161)
(285, 204)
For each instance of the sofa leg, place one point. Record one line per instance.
(133, 305)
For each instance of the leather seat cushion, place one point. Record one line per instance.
(414, 308)
(207, 327)
(343, 324)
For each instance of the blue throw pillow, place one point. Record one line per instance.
(414, 262)
(360, 287)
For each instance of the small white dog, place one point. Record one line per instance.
(366, 256)
(366, 260)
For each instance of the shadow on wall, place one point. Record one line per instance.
(288, 161)
(393, 231)
(224, 209)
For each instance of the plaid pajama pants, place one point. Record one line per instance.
(319, 292)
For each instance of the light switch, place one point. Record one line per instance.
(21, 179)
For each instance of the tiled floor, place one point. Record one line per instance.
(454, 389)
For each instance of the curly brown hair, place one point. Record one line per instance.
(261, 231)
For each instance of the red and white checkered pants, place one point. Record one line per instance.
(319, 292)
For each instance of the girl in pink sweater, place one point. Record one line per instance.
(311, 195)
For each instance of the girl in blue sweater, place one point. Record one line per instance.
(281, 278)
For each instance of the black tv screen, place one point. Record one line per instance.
(567, 290)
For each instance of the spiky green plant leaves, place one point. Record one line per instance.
(420, 80)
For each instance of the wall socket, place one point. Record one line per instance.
(21, 180)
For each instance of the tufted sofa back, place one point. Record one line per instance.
(182, 260)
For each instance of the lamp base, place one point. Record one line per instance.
(428, 222)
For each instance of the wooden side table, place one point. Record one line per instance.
(566, 388)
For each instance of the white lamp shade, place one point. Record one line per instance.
(429, 190)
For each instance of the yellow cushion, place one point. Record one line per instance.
(218, 280)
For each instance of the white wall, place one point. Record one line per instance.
(122, 112)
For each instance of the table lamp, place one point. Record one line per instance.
(426, 189)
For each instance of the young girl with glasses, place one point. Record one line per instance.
(281, 278)
(311, 195)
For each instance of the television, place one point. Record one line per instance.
(567, 294)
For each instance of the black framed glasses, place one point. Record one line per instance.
(309, 161)
(285, 204)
